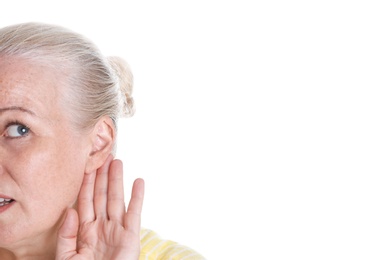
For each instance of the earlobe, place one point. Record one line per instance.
(102, 137)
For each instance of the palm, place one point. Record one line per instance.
(106, 238)
(105, 229)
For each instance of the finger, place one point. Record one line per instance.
(85, 200)
(67, 236)
(115, 200)
(100, 193)
(133, 215)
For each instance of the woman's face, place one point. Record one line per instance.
(42, 161)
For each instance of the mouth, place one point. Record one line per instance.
(4, 202)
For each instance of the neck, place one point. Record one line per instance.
(38, 247)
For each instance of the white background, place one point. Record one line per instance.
(262, 127)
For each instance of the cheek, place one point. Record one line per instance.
(51, 173)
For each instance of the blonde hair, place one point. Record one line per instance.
(95, 86)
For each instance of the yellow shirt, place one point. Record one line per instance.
(155, 248)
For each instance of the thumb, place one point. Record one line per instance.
(67, 236)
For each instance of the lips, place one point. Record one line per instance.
(5, 200)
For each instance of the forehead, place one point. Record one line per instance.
(25, 83)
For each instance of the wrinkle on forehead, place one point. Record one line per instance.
(30, 85)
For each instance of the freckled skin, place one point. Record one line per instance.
(42, 171)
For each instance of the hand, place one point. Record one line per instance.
(102, 229)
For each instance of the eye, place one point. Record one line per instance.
(17, 130)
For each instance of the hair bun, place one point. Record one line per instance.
(125, 81)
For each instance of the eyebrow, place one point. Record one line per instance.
(13, 108)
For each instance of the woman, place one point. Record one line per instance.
(61, 191)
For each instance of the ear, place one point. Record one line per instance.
(102, 142)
